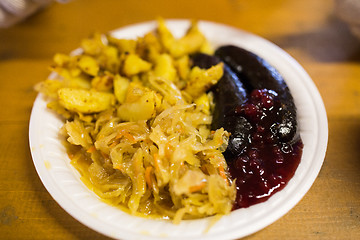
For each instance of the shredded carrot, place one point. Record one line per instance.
(71, 156)
(118, 167)
(104, 155)
(127, 135)
(197, 188)
(148, 171)
(113, 144)
(120, 134)
(223, 174)
(91, 149)
(130, 137)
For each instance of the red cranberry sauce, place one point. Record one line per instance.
(267, 164)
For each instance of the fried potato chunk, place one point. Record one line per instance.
(85, 101)
(121, 85)
(200, 80)
(140, 104)
(133, 65)
(164, 67)
(191, 42)
(89, 65)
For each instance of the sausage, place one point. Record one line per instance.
(229, 93)
(256, 73)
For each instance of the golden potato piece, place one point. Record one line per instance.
(203, 103)
(49, 87)
(85, 101)
(191, 42)
(124, 45)
(183, 66)
(207, 48)
(103, 83)
(93, 45)
(55, 106)
(200, 80)
(133, 64)
(140, 103)
(61, 59)
(81, 81)
(164, 67)
(109, 59)
(121, 85)
(134, 91)
(148, 47)
(89, 65)
(166, 37)
(142, 109)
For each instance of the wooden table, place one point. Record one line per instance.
(306, 29)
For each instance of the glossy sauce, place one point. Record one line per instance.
(266, 165)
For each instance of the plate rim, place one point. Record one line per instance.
(92, 223)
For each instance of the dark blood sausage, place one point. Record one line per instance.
(229, 93)
(256, 73)
(253, 103)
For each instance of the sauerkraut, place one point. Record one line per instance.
(137, 124)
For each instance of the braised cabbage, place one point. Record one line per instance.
(137, 124)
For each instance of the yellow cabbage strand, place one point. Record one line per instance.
(138, 122)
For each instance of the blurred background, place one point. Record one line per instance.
(306, 25)
(313, 26)
(321, 35)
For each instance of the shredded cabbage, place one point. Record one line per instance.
(149, 150)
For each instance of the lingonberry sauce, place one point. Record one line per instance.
(267, 164)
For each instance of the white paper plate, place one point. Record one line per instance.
(63, 183)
